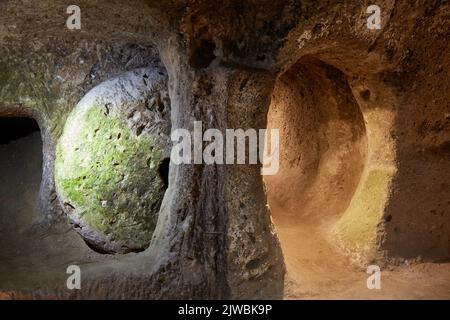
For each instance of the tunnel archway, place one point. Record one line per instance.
(21, 160)
(323, 153)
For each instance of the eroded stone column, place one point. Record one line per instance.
(214, 217)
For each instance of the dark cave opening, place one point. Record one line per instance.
(21, 173)
(14, 128)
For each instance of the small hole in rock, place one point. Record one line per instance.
(139, 130)
(203, 54)
(365, 95)
(163, 171)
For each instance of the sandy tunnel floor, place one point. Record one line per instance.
(318, 270)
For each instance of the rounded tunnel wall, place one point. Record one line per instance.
(332, 177)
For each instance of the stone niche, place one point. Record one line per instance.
(364, 157)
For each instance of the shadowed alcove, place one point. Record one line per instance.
(21, 173)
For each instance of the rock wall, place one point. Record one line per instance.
(214, 237)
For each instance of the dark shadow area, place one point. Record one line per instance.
(163, 171)
(15, 128)
(21, 173)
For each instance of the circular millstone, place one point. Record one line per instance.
(107, 168)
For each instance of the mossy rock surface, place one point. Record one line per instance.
(356, 231)
(107, 174)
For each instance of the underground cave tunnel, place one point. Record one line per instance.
(20, 172)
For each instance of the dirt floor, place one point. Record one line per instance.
(317, 270)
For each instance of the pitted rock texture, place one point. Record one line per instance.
(108, 161)
(214, 237)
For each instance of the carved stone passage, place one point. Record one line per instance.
(358, 94)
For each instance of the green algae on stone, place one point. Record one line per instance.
(356, 231)
(109, 176)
